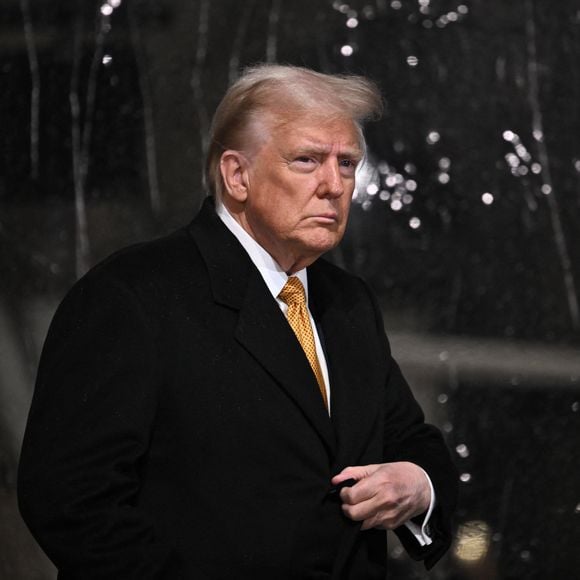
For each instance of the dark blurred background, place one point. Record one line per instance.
(466, 219)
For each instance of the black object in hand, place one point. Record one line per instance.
(335, 489)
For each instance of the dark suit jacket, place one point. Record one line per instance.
(177, 431)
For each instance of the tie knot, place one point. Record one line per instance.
(293, 292)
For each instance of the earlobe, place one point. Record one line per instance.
(233, 167)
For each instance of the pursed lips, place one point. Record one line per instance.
(326, 216)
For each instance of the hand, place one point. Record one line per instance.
(386, 495)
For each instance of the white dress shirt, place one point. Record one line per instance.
(275, 279)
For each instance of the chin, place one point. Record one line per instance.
(322, 245)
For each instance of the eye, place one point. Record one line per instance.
(303, 163)
(348, 165)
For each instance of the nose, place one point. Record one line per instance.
(331, 183)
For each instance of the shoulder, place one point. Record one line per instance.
(146, 274)
(168, 261)
(147, 261)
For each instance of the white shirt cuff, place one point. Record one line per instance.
(422, 533)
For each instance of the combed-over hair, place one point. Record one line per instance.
(284, 91)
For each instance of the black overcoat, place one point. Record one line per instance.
(177, 431)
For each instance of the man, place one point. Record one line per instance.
(220, 404)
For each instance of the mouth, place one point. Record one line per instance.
(326, 217)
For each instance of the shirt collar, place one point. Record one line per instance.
(273, 275)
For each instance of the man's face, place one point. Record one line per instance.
(299, 189)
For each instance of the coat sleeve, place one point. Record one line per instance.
(86, 440)
(407, 437)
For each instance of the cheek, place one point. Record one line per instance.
(275, 216)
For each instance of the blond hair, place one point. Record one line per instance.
(284, 91)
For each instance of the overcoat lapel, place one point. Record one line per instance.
(354, 395)
(265, 333)
(262, 328)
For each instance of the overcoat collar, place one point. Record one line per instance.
(264, 332)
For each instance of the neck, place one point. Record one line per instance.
(296, 266)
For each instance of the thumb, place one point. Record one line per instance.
(356, 472)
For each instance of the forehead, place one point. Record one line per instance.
(313, 133)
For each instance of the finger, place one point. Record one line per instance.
(363, 490)
(380, 502)
(357, 472)
(395, 517)
(360, 511)
(375, 522)
(366, 510)
(385, 520)
(371, 523)
(375, 483)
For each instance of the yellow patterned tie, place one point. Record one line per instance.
(293, 295)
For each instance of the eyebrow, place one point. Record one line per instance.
(322, 149)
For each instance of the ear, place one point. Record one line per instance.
(233, 167)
